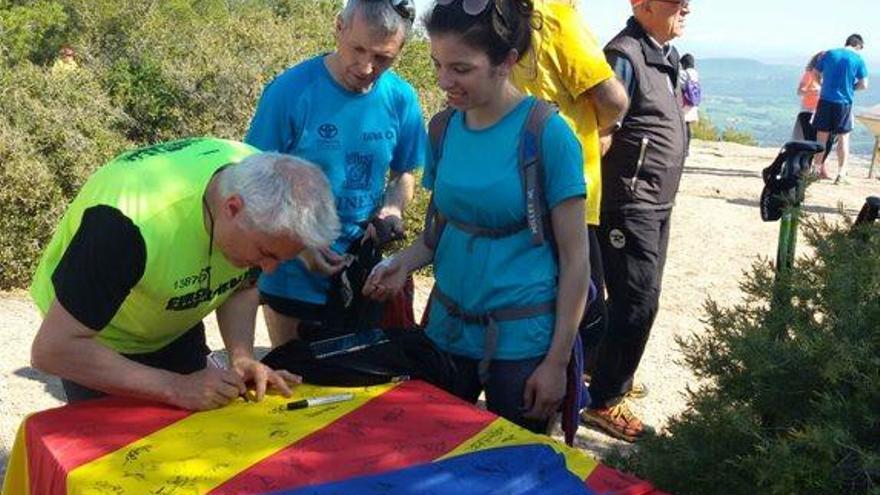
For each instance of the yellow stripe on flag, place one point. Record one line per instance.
(502, 433)
(201, 451)
(17, 481)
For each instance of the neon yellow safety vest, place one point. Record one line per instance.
(160, 189)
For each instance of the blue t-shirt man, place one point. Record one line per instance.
(482, 274)
(355, 137)
(841, 69)
(842, 72)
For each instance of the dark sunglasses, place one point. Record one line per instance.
(404, 8)
(681, 3)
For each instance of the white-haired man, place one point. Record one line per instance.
(155, 241)
(640, 176)
(358, 121)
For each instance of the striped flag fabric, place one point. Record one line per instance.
(406, 435)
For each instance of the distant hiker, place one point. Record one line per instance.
(808, 89)
(640, 178)
(510, 261)
(568, 67)
(842, 72)
(691, 92)
(66, 61)
(348, 113)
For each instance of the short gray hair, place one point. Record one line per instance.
(378, 14)
(283, 194)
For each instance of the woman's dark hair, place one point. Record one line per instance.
(502, 26)
(687, 61)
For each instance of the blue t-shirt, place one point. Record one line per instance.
(354, 137)
(479, 183)
(840, 69)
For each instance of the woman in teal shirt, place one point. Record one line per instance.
(477, 186)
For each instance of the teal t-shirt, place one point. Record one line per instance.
(356, 138)
(477, 182)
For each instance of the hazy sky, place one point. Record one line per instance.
(768, 30)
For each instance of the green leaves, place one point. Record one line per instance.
(791, 400)
(144, 72)
(33, 32)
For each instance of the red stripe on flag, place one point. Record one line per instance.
(609, 481)
(62, 439)
(411, 424)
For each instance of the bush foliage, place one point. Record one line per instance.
(790, 394)
(705, 130)
(145, 72)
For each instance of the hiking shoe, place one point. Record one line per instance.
(617, 421)
(638, 391)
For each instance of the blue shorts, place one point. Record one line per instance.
(833, 117)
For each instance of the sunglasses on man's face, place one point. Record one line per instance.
(681, 3)
(470, 7)
(404, 8)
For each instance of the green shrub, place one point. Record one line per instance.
(146, 72)
(415, 66)
(56, 129)
(31, 203)
(704, 129)
(32, 32)
(197, 68)
(732, 135)
(789, 400)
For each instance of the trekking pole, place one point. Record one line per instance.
(874, 157)
(788, 229)
(786, 180)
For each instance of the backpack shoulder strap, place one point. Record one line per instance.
(434, 223)
(437, 132)
(531, 168)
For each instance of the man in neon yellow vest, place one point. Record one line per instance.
(156, 240)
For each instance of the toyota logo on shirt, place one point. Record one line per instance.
(328, 131)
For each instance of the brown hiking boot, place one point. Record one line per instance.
(617, 421)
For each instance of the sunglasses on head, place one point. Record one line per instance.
(471, 7)
(404, 8)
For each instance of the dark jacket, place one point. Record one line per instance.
(643, 167)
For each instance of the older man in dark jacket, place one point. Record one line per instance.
(640, 177)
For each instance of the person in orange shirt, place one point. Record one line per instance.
(808, 89)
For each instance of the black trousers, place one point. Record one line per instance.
(594, 324)
(633, 244)
(185, 355)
